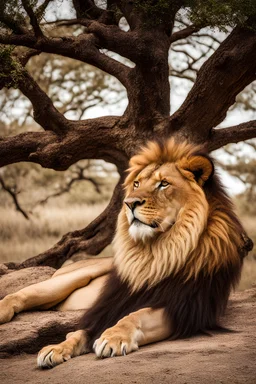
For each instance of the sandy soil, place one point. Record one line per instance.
(222, 358)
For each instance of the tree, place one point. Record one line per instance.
(242, 166)
(152, 32)
(74, 87)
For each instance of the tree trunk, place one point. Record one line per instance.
(149, 88)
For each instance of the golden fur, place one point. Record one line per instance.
(176, 259)
(176, 256)
(203, 236)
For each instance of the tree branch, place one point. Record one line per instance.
(222, 136)
(24, 57)
(130, 14)
(87, 8)
(182, 34)
(114, 39)
(207, 35)
(41, 9)
(14, 197)
(77, 177)
(253, 145)
(140, 16)
(12, 24)
(45, 113)
(225, 74)
(82, 47)
(19, 148)
(182, 75)
(92, 239)
(14, 74)
(33, 19)
(132, 44)
(82, 141)
(110, 37)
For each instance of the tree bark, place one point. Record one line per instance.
(149, 89)
(223, 136)
(221, 78)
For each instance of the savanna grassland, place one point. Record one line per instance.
(21, 238)
(48, 221)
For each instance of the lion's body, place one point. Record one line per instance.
(188, 269)
(176, 256)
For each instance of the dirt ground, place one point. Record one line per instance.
(222, 358)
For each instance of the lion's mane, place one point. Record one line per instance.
(205, 237)
(189, 270)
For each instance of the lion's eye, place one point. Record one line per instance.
(164, 184)
(136, 184)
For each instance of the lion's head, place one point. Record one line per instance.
(161, 183)
(175, 216)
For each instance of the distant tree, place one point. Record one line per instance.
(13, 192)
(151, 34)
(242, 165)
(74, 87)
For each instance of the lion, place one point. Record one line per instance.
(176, 259)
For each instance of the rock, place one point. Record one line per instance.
(223, 358)
(3, 269)
(30, 331)
(15, 280)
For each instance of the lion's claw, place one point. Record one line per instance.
(114, 345)
(52, 355)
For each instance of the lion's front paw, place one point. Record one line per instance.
(74, 345)
(115, 342)
(53, 355)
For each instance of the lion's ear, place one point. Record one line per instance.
(199, 168)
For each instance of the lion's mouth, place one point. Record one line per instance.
(138, 222)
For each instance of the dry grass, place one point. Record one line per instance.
(21, 239)
(248, 277)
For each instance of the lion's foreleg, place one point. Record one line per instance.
(139, 328)
(74, 345)
(48, 293)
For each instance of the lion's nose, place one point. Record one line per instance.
(133, 202)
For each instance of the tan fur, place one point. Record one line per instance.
(74, 345)
(202, 235)
(188, 165)
(66, 283)
(139, 328)
(168, 225)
